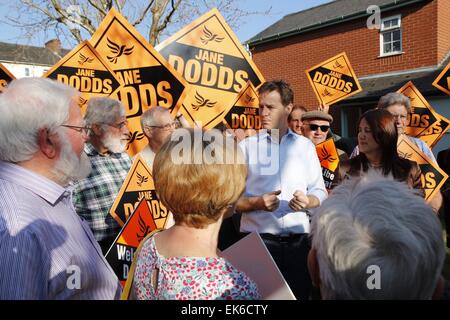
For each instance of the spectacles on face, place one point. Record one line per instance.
(165, 127)
(315, 127)
(118, 125)
(82, 130)
(400, 116)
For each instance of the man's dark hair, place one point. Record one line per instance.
(282, 87)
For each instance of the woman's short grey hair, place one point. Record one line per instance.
(26, 106)
(375, 222)
(151, 116)
(101, 110)
(394, 98)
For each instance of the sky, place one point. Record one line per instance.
(245, 31)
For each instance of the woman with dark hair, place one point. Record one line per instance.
(377, 143)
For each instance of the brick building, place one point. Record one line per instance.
(413, 43)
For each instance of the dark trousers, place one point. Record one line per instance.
(291, 258)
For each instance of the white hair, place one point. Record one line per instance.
(375, 221)
(26, 106)
(151, 116)
(101, 110)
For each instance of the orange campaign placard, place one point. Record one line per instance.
(148, 80)
(333, 80)
(85, 70)
(211, 58)
(244, 114)
(442, 82)
(5, 77)
(329, 161)
(138, 185)
(138, 226)
(422, 115)
(432, 176)
(436, 131)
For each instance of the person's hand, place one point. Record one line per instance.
(270, 201)
(299, 201)
(324, 107)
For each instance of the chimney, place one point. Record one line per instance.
(54, 46)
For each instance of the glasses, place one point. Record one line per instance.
(118, 125)
(323, 128)
(83, 130)
(400, 116)
(165, 127)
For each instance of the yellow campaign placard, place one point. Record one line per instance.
(422, 115)
(244, 114)
(215, 64)
(329, 161)
(432, 176)
(436, 131)
(148, 80)
(334, 79)
(138, 226)
(85, 70)
(138, 185)
(5, 77)
(442, 82)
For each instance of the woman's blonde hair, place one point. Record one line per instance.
(199, 180)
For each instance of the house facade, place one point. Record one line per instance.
(411, 43)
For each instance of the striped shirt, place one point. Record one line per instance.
(46, 251)
(94, 195)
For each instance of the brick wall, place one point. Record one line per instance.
(288, 58)
(443, 28)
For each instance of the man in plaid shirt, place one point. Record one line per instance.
(94, 195)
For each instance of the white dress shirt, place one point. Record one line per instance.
(288, 166)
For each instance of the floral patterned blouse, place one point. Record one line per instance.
(188, 278)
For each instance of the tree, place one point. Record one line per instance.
(77, 20)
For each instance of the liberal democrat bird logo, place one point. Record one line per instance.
(143, 228)
(326, 93)
(118, 50)
(209, 36)
(337, 65)
(327, 156)
(83, 59)
(136, 135)
(202, 102)
(141, 179)
(249, 98)
(82, 102)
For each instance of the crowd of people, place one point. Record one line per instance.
(372, 236)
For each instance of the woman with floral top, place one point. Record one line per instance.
(182, 262)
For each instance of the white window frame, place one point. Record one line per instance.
(391, 29)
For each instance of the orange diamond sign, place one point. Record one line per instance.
(442, 82)
(422, 115)
(5, 77)
(333, 80)
(85, 70)
(138, 185)
(211, 58)
(245, 111)
(432, 176)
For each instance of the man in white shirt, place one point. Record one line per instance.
(284, 181)
(157, 125)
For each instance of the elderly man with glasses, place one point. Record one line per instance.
(47, 251)
(157, 125)
(94, 195)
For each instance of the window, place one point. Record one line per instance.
(390, 36)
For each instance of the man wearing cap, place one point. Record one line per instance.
(316, 127)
